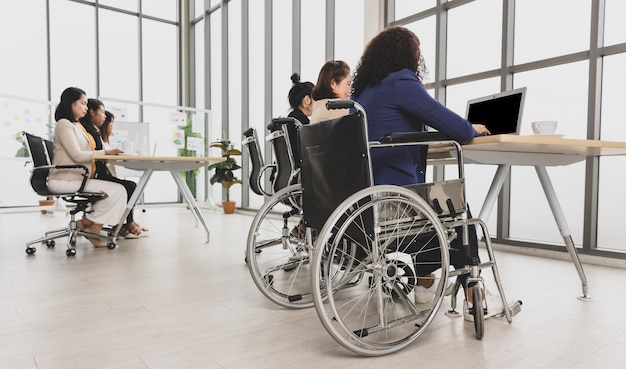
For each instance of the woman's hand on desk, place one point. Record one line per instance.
(480, 128)
(113, 152)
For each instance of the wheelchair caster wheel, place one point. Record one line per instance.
(111, 245)
(478, 312)
(30, 250)
(70, 252)
(50, 243)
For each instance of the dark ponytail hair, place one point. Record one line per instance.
(298, 91)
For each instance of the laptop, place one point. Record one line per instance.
(501, 113)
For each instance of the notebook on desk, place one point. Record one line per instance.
(501, 113)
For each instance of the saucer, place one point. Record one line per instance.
(549, 135)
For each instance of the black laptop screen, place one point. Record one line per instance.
(500, 114)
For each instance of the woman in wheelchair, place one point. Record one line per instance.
(300, 100)
(388, 84)
(73, 145)
(333, 82)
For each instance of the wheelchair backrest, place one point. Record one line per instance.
(251, 142)
(287, 162)
(335, 164)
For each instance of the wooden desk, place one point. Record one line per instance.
(172, 164)
(539, 152)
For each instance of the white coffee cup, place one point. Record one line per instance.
(544, 127)
(128, 147)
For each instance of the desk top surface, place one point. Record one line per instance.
(546, 145)
(179, 159)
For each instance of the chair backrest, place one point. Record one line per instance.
(287, 164)
(41, 155)
(335, 164)
(251, 141)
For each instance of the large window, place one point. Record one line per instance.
(474, 48)
(611, 197)
(119, 51)
(615, 30)
(545, 29)
(549, 49)
(119, 56)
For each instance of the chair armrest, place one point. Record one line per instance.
(69, 166)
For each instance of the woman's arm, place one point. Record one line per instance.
(414, 100)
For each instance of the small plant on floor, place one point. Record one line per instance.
(224, 170)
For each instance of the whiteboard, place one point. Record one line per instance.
(136, 132)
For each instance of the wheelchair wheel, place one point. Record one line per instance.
(277, 260)
(390, 237)
(478, 312)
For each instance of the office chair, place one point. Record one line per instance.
(41, 155)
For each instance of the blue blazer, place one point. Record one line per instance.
(400, 103)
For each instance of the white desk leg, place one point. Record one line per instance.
(494, 190)
(184, 189)
(542, 173)
(141, 185)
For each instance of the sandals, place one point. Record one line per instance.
(131, 231)
(80, 224)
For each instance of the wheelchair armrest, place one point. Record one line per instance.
(339, 104)
(407, 137)
(260, 178)
(278, 123)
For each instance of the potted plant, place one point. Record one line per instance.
(224, 171)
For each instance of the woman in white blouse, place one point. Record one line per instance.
(72, 145)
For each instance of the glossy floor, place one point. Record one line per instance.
(172, 301)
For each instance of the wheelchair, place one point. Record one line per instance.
(276, 258)
(367, 247)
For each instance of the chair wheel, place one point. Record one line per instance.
(111, 245)
(70, 252)
(30, 250)
(50, 243)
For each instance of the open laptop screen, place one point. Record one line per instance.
(501, 113)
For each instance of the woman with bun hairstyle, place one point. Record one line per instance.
(300, 99)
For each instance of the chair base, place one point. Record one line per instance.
(71, 232)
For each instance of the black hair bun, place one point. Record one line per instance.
(295, 78)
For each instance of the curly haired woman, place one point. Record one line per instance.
(387, 83)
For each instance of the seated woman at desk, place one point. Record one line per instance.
(333, 82)
(92, 122)
(73, 145)
(388, 84)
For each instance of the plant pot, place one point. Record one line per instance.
(46, 202)
(228, 206)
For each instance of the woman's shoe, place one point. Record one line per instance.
(82, 225)
(124, 232)
(423, 295)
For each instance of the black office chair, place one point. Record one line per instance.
(41, 155)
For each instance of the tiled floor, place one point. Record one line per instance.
(171, 301)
